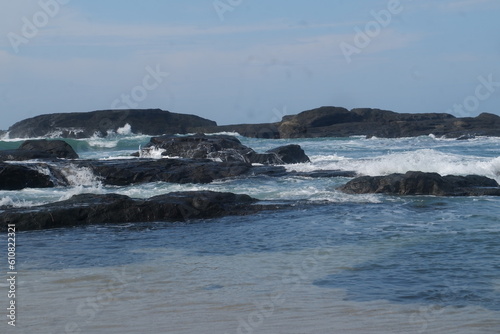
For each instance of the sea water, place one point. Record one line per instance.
(333, 263)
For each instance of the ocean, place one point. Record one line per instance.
(332, 263)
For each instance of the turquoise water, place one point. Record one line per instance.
(334, 263)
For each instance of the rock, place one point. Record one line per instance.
(87, 124)
(340, 122)
(19, 155)
(17, 177)
(420, 183)
(319, 122)
(126, 172)
(222, 148)
(112, 208)
(40, 149)
(290, 154)
(324, 173)
(56, 148)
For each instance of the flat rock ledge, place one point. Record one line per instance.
(420, 183)
(89, 209)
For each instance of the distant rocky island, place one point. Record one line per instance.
(319, 122)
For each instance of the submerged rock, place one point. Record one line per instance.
(112, 208)
(222, 148)
(420, 183)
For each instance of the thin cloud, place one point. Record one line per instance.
(470, 5)
(456, 5)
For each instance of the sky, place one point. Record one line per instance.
(248, 61)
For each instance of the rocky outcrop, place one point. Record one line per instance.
(221, 148)
(340, 122)
(88, 124)
(319, 122)
(112, 208)
(126, 172)
(40, 149)
(18, 177)
(420, 183)
(56, 148)
(290, 154)
(325, 173)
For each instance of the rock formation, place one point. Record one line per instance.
(420, 183)
(222, 148)
(88, 209)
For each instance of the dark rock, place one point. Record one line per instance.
(221, 147)
(19, 155)
(325, 173)
(112, 208)
(340, 122)
(126, 172)
(290, 154)
(320, 122)
(17, 177)
(87, 124)
(466, 137)
(40, 149)
(57, 148)
(420, 183)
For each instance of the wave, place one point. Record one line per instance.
(425, 160)
(8, 201)
(429, 160)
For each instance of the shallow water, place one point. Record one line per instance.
(336, 263)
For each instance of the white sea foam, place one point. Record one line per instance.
(80, 176)
(126, 130)
(152, 152)
(226, 133)
(16, 203)
(77, 190)
(425, 160)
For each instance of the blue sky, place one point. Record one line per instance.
(249, 61)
